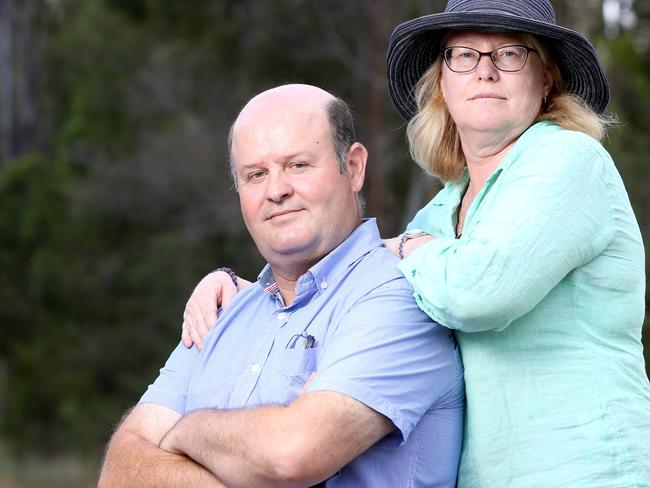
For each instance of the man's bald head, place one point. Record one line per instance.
(298, 97)
(303, 100)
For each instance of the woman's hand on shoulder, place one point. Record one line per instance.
(409, 242)
(214, 291)
(392, 245)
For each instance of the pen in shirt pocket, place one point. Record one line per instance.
(310, 341)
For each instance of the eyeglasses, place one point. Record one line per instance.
(461, 59)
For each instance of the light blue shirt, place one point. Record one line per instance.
(371, 342)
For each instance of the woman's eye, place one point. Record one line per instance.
(511, 52)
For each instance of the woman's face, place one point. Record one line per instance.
(486, 100)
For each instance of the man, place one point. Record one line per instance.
(385, 406)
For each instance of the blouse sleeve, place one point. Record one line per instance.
(544, 215)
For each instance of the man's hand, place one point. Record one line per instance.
(170, 442)
(311, 378)
(213, 291)
(134, 460)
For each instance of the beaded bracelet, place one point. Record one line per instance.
(409, 234)
(232, 275)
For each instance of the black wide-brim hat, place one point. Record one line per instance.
(415, 45)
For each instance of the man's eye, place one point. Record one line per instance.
(298, 165)
(257, 175)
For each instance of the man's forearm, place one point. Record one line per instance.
(232, 446)
(132, 461)
(276, 446)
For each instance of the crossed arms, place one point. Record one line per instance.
(381, 349)
(298, 445)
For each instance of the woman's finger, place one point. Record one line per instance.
(185, 336)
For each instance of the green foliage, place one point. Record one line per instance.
(91, 59)
(629, 75)
(630, 81)
(91, 306)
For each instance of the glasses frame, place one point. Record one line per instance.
(443, 52)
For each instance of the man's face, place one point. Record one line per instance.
(296, 204)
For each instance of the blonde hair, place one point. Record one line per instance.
(433, 137)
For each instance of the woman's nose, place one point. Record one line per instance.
(486, 70)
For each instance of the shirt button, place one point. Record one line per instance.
(323, 285)
(282, 315)
(255, 368)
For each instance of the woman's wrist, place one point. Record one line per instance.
(230, 273)
(404, 238)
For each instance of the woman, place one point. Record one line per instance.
(531, 251)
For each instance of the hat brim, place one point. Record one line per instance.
(415, 45)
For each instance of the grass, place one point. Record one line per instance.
(47, 472)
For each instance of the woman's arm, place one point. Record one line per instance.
(545, 215)
(403, 245)
(214, 291)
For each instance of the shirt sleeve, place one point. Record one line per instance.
(545, 215)
(171, 387)
(388, 355)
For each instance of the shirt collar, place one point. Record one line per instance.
(329, 270)
(530, 134)
(457, 187)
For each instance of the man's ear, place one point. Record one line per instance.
(356, 165)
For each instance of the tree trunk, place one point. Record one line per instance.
(585, 16)
(373, 108)
(6, 81)
(24, 41)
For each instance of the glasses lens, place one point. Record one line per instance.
(461, 59)
(510, 58)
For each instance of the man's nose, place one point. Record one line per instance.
(279, 186)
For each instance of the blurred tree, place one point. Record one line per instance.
(6, 78)
(19, 60)
(107, 231)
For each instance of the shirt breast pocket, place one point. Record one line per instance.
(297, 366)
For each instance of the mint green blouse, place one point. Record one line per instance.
(545, 290)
